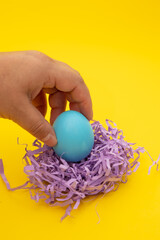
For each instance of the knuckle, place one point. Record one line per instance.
(38, 129)
(79, 78)
(34, 52)
(78, 73)
(38, 54)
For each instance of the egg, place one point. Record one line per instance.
(75, 137)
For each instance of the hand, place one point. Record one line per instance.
(25, 78)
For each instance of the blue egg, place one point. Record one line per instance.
(75, 137)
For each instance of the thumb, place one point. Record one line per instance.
(33, 121)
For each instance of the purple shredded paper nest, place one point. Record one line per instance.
(66, 184)
(61, 183)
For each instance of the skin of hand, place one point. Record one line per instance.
(25, 79)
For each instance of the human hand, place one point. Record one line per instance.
(25, 78)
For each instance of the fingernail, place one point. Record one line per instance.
(50, 140)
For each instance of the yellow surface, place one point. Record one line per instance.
(115, 46)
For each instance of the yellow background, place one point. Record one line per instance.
(115, 47)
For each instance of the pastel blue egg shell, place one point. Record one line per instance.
(75, 137)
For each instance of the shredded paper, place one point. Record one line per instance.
(62, 183)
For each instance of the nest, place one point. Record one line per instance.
(63, 183)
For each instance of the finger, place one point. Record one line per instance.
(50, 90)
(40, 102)
(66, 79)
(57, 102)
(28, 117)
(78, 100)
(74, 106)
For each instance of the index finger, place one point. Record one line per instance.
(68, 80)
